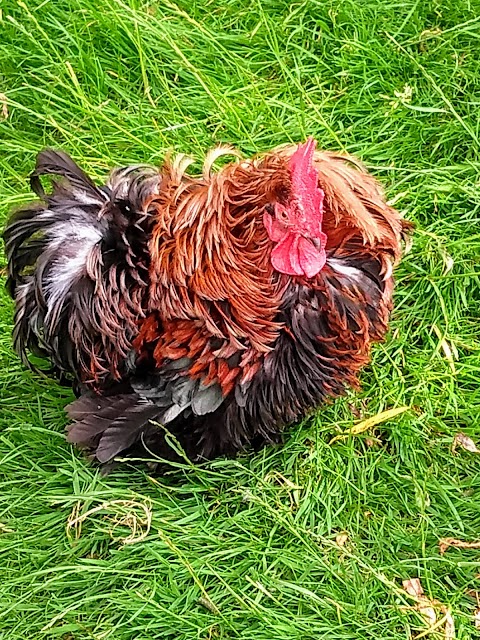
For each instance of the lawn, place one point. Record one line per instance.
(312, 539)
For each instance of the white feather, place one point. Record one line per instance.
(79, 239)
(84, 198)
(351, 272)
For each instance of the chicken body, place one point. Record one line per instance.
(217, 307)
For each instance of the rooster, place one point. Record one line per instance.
(214, 308)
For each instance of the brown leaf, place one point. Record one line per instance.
(449, 624)
(4, 105)
(463, 441)
(476, 618)
(445, 543)
(354, 410)
(426, 607)
(341, 539)
(476, 596)
(427, 611)
(414, 588)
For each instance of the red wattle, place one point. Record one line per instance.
(295, 255)
(312, 260)
(284, 256)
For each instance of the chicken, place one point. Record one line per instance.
(214, 308)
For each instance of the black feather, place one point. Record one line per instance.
(53, 162)
(109, 425)
(125, 430)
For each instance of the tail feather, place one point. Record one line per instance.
(53, 162)
(125, 431)
(90, 410)
(78, 269)
(109, 425)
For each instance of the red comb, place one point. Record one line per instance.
(304, 175)
(305, 190)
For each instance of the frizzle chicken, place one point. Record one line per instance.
(218, 307)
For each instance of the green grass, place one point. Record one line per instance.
(245, 549)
